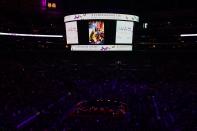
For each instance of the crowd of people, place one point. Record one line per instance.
(38, 90)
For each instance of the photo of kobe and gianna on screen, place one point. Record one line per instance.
(96, 32)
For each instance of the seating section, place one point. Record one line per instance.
(39, 90)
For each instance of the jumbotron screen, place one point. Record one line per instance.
(100, 31)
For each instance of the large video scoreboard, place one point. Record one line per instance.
(100, 31)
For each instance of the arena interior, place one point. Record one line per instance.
(45, 85)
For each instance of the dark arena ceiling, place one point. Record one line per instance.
(69, 6)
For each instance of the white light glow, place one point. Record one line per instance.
(101, 47)
(72, 33)
(186, 35)
(101, 16)
(31, 35)
(124, 32)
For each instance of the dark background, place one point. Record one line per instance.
(138, 5)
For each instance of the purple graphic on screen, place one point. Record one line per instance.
(77, 17)
(105, 48)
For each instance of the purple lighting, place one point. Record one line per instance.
(43, 4)
(30, 119)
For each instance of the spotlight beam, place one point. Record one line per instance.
(188, 35)
(30, 35)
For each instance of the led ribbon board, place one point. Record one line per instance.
(101, 16)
